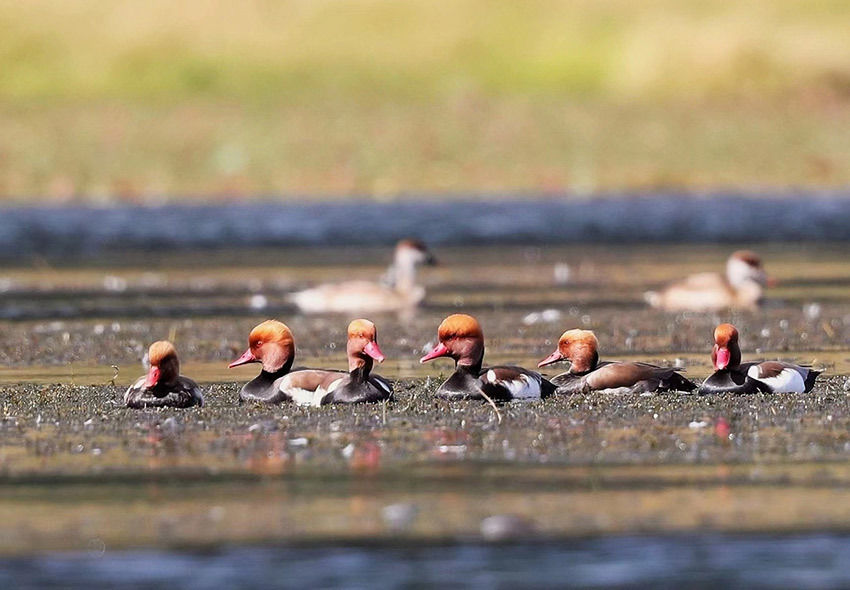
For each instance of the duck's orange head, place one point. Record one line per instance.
(270, 343)
(724, 334)
(165, 366)
(460, 337)
(578, 346)
(726, 352)
(363, 340)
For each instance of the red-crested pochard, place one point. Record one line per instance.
(733, 376)
(318, 387)
(461, 338)
(741, 288)
(587, 374)
(397, 290)
(271, 344)
(163, 386)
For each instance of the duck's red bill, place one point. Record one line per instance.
(439, 350)
(723, 358)
(247, 357)
(552, 358)
(153, 377)
(374, 351)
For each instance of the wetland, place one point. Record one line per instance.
(75, 465)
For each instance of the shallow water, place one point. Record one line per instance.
(677, 561)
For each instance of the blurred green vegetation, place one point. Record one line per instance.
(134, 100)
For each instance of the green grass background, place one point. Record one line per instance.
(203, 98)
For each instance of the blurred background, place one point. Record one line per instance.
(122, 101)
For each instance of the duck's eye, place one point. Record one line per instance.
(259, 343)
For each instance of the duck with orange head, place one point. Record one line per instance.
(732, 376)
(319, 387)
(587, 373)
(271, 343)
(462, 339)
(163, 386)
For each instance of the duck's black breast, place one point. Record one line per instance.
(372, 390)
(183, 393)
(264, 388)
(461, 385)
(727, 381)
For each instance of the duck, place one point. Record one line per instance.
(163, 386)
(741, 288)
(319, 387)
(397, 290)
(587, 374)
(271, 344)
(732, 376)
(461, 338)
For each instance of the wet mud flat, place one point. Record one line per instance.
(78, 470)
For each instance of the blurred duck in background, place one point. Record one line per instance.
(733, 376)
(163, 386)
(741, 288)
(587, 373)
(396, 291)
(461, 338)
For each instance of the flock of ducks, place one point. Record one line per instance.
(461, 338)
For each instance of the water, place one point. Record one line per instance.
(672, 561)
(531, 220)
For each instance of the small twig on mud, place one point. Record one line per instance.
(114, 375)
(493, 405)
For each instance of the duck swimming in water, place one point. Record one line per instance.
(271, 343)
(733, 376)
(318, 387)
(461, 338)
(587, 373)
(741, 288)
(398, 290)
(163, 386)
